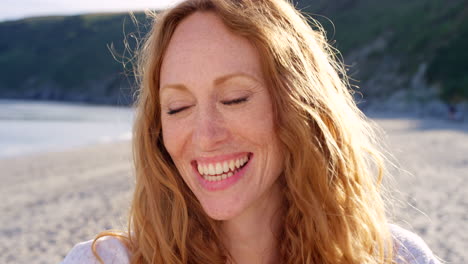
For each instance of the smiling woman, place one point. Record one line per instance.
(222, 117)
(248, 148)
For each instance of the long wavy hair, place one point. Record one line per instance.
(333, 209)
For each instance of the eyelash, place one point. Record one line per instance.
(232, 102)
(175, 111)
(235, 101)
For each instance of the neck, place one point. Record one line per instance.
(252, 236)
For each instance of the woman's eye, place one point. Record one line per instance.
(235, 101)
(175, 111)
(228, 102)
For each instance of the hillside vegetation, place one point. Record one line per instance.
(67, 58)
(411, 33)
(386, 42)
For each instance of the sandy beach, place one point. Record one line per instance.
(52, 201)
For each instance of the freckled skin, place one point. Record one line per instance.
(201, 50)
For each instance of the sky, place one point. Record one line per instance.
(17, 9)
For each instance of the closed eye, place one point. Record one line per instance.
(230, 102)
(175, 111)
(235, 101)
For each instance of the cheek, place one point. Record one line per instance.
(174, 138)
(258, 128)
(173, 134)
(255, 123)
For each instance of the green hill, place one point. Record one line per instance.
(386, 42)
(411, 33)
(66, 58)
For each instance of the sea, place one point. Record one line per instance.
(28, 127)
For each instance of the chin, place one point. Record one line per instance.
(221, 210)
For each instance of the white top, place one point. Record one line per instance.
(411, 248)
(110, 249)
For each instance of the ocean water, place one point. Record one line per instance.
(31, 127)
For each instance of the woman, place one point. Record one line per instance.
(248, 148)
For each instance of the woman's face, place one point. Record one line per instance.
(217, 118)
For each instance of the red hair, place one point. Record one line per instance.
(334, 212)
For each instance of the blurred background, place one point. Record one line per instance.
(66, 90)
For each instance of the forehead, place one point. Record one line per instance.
(202, 47)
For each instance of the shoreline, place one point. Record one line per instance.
(50, 150)
(39, 127)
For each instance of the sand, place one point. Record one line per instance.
(52, 201)
(433, 191)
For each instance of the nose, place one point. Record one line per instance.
(210, 130)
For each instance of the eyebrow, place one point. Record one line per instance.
(217, 82)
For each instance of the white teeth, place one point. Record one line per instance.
(227, 167)
(232, 165)
(211, 169)
(244, 160)
(237, 163)
(218, 178)
(219, 168)
(200, 169)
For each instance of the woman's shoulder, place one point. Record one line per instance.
(110, 249)
(410, 248)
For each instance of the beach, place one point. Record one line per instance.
(54, 200)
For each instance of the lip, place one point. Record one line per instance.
(226, 183)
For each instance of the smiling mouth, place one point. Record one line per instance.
(218, 171)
